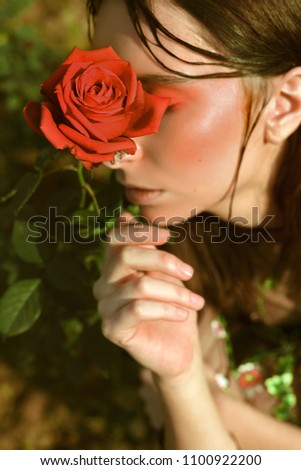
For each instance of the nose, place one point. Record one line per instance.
(121, 158)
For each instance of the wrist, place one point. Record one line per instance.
(194, 372)
(192, 419)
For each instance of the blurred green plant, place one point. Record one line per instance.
(29, 51)
(49, 326)
(25, 60)
(48, 237)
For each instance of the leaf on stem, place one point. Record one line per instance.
(25, 249)
(20, 307)
(26, 187)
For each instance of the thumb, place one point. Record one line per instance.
(125, 217)
(129, 230)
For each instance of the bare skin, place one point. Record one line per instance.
(141, 300)
(144, 305)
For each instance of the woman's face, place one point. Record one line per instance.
(189, 165)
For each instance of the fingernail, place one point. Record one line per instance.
(185, 269)
(197, 300)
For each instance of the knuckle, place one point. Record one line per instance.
(142, 286)
(171, 310)
(168, 260)
(114, 334)
(97, 288)
(100, 308)
(136, 308)
(126, 253)
(110, 331)
(106, 329)
(123, 342)
(182, 293)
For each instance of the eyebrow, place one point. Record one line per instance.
(153, 79)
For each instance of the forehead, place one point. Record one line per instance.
(114, 28)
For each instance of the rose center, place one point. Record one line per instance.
(95, 89)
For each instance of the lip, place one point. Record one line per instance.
(140, 196)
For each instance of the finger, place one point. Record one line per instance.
(130, 260)
(134, 232)
(149, 288)
(119, 327)
(106, 285)
(140, 259)
(126, 217)
(126, 233)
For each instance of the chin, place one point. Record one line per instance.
(165, 217)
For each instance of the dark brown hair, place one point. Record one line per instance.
(260, 38)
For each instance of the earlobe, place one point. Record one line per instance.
(285, 115)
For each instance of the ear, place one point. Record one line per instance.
(285, 108)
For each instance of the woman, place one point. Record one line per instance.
(223, 173)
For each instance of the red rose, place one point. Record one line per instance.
(94, 106)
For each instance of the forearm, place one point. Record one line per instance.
(197, 417)
(254, 429)
(192, 420)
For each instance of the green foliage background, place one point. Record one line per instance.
(62, 385)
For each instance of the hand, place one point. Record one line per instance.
(144, 306)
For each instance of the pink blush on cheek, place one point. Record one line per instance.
(199, 142)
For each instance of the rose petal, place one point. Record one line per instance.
(73, 71)
(51, 130)
(91, 159)
(86, 58)
(130, 80)
(48, 86)
(32, 116)
(109, 129)
(138, 106)
(98, 126)
(116, 67)
(60, 99)
(80, 116)
(93, 55)
(149, 121)
(96, 146)
(98, 94)
(94, 159)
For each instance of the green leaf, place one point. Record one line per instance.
(290, 400)
(25, 189)
(287, 379)
(25, 250)
(72, 328)
(20, 307)
(273, 384)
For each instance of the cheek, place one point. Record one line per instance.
(207, 138)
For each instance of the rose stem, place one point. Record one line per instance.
(86, 188)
